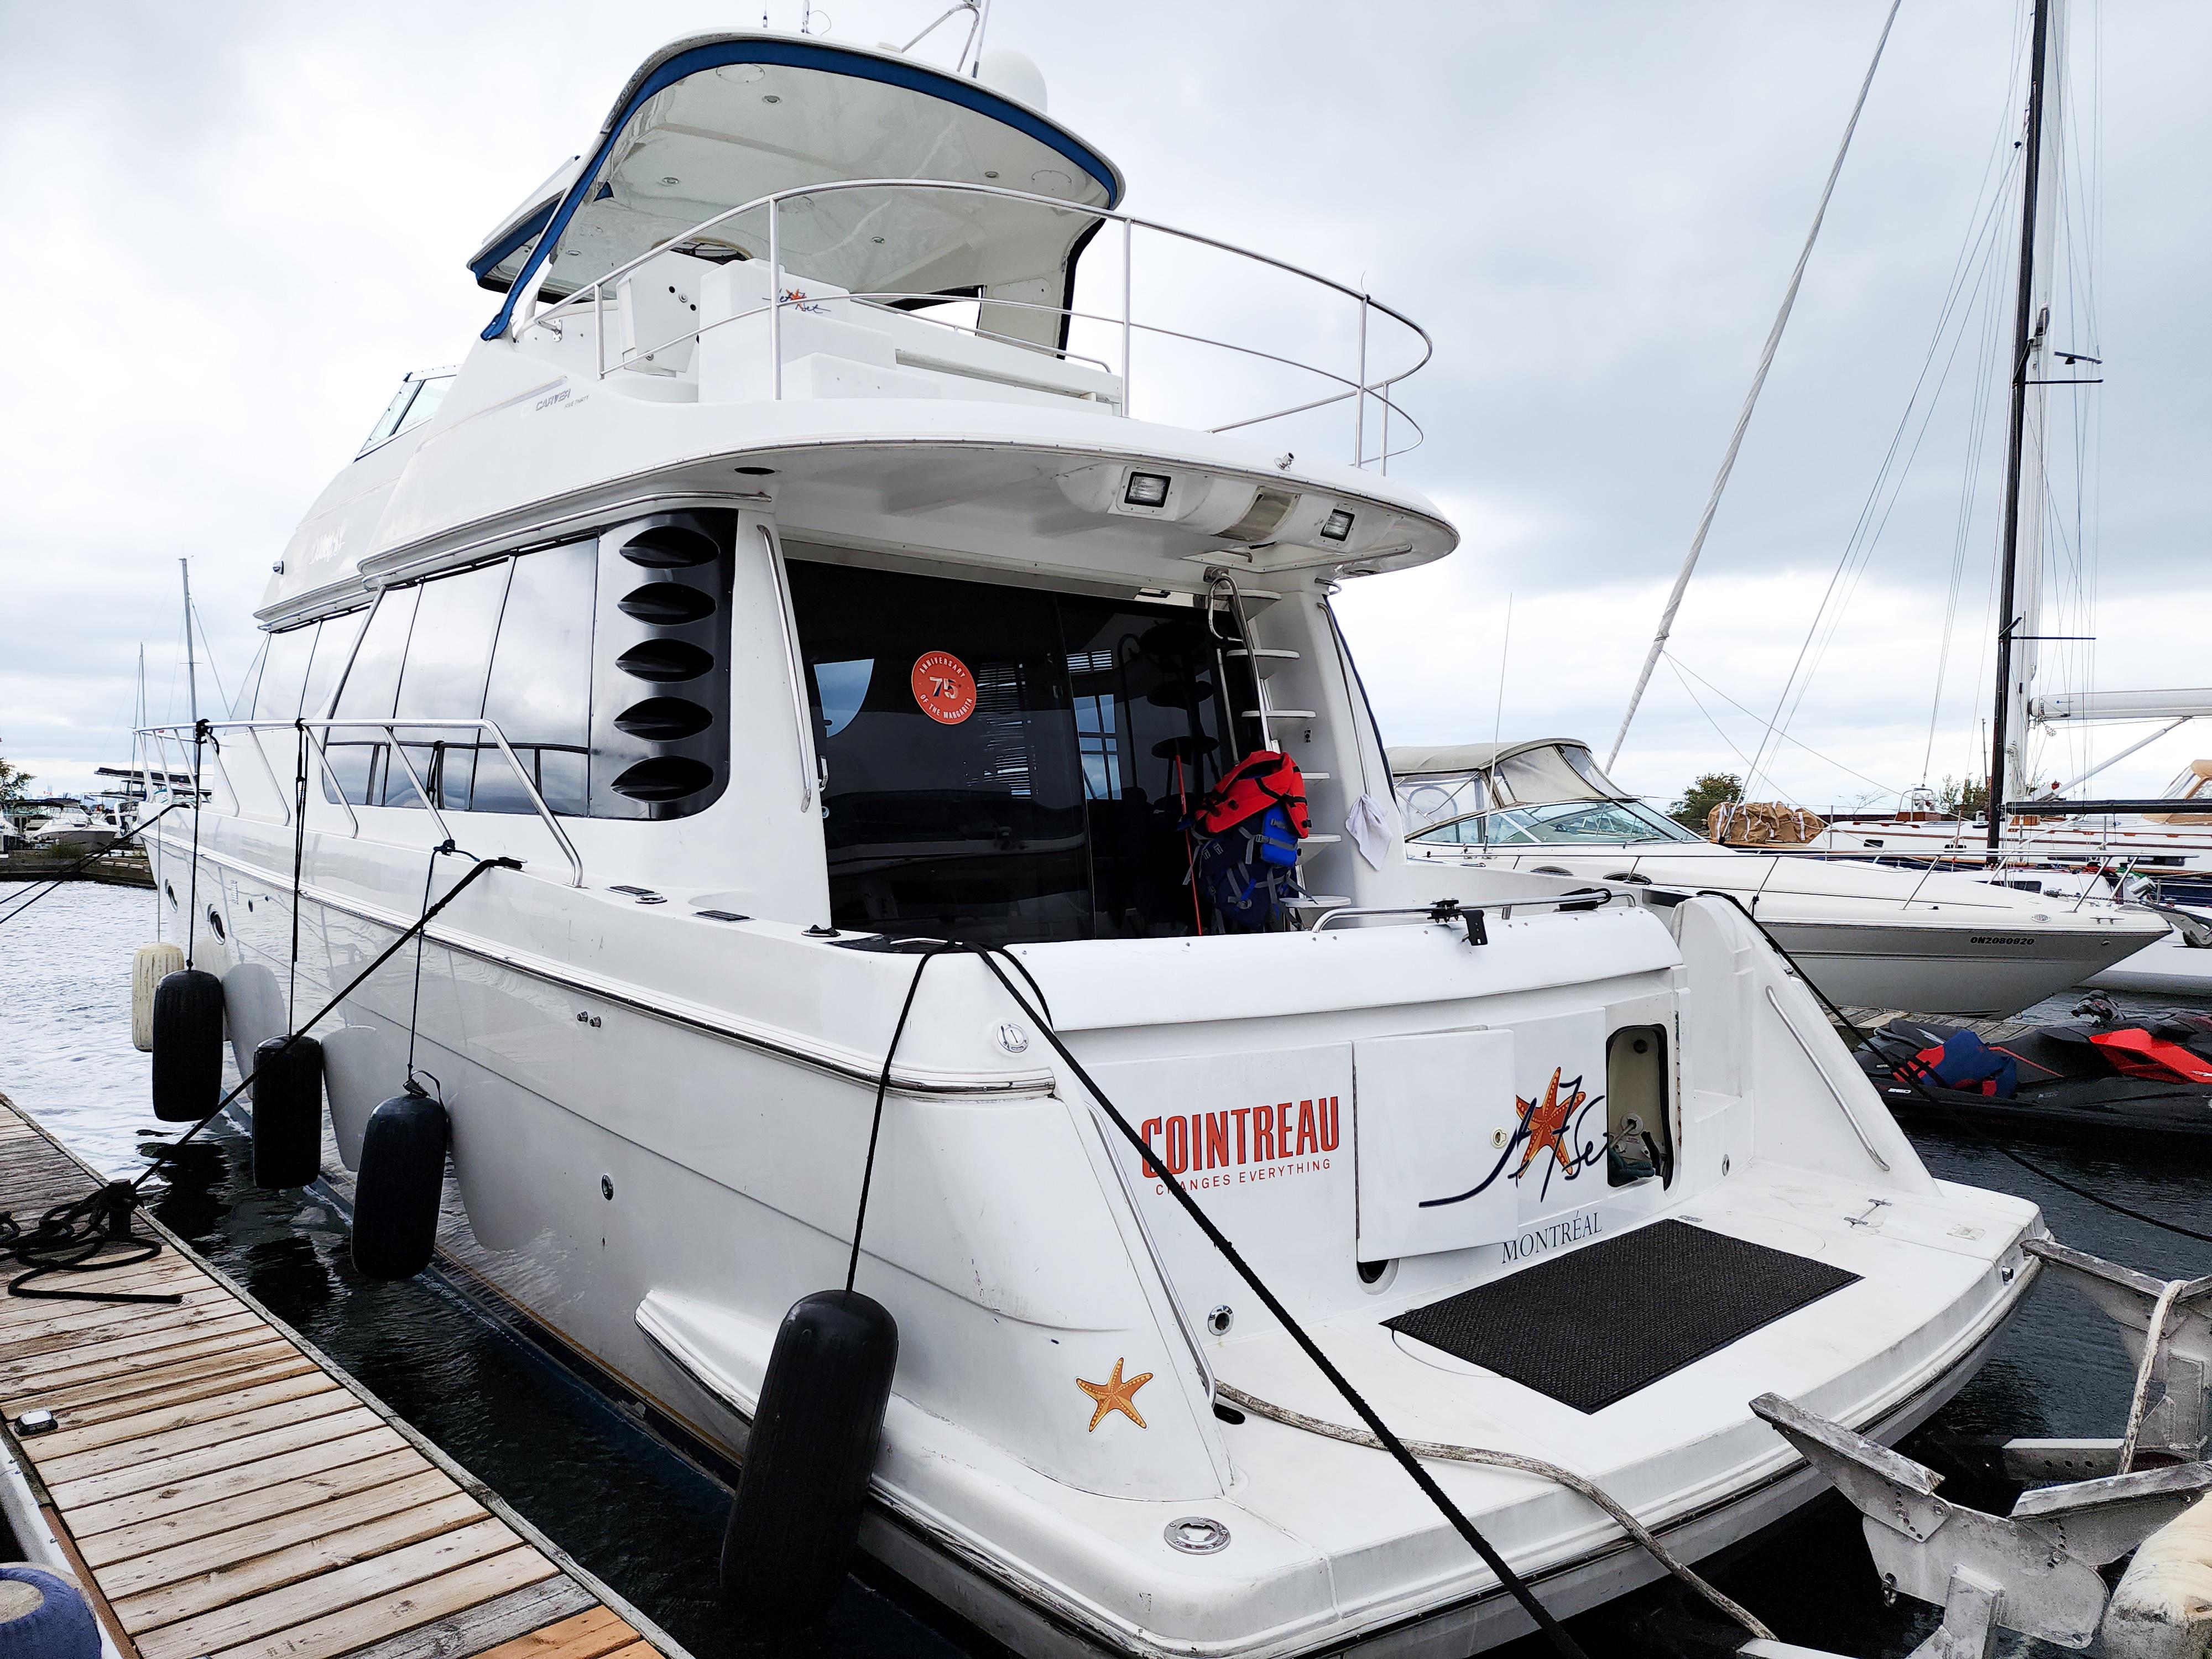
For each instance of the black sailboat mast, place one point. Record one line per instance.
(2023, 338)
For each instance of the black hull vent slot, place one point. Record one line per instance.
(664, 778)
(666, 604)
(664, 719)
(671, 547)
(658, 756)
(665, 661)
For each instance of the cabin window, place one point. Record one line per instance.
(1638, 1130)
(415, 402)
(447, 655)
(1008, 763)
(372, 685)
(241, 707)
(540, 690)
(334, 642)
(285, 673)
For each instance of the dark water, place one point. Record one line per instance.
(649, 1522)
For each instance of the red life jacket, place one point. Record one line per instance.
(2136, 1053)
(1262, 779)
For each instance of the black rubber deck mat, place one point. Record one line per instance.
(1595, 1326)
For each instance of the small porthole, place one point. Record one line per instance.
(215, 922)
(1377, 1275)
(172, 892)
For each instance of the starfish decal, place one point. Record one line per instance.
(1548, 1122)
(1115, 1395)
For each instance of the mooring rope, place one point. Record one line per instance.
(1515, 1585)
(70, 1235)
(51, 884)
(1438, 1452)
(1876, 1040)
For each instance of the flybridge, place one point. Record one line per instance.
(711, 122)
(765, 218)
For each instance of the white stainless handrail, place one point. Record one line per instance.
(1837, 1094)
(391, 727)
(527, 314)
(876, 297)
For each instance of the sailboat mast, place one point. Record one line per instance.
(192, 666)
(2023, 341)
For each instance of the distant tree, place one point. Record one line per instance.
(15, 782)
(1963, 799)
(1701, 797)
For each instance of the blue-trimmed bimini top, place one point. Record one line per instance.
(712, 122)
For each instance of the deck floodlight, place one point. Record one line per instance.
(1146, 489)
(1337, 526)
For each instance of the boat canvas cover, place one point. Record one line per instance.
(712, 123)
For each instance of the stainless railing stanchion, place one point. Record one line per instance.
(1128, 235)
(1360, 398)
(775, 302)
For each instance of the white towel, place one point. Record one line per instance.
(1369, 825)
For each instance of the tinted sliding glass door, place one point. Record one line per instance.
(1007, 763)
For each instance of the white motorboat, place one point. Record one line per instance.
(75, 828)
(783, 579)
(1871, 937)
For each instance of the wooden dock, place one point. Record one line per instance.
(229, 1492)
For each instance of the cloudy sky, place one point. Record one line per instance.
(235, 226)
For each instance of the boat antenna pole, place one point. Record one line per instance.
(1750, 402)
(192, 666)
(2023, 326)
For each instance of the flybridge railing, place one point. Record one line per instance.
(1365, 382)
(180, 738)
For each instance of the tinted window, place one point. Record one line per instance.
(540, 690)
(241, 707)
(372, 685)
(333, 649)
(447, 654)
(283, 671)
(1003, 763)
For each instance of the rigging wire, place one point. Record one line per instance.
(1888, 485)
(1676, 663)
(1751, 399)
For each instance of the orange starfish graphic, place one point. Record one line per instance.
(1115, 1395)
(1547, 1123)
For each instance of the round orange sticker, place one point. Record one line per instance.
(944, 686)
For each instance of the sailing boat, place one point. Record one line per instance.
(2037, 836)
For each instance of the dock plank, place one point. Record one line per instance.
(206, 1460)
(228, 1494)
(160, 1425)
(340, 1545)
(173, 1324)
(215, 1432)
(74, 1370)
(314, 1599)
(251, 1531)
(591, 1635)
(98, 1522)
(122, 1396)
(490, 1626)
(105, 1320)
(352, 1627)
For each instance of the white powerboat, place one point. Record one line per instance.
(784, 579)
(77, 829)
(1871, 938)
